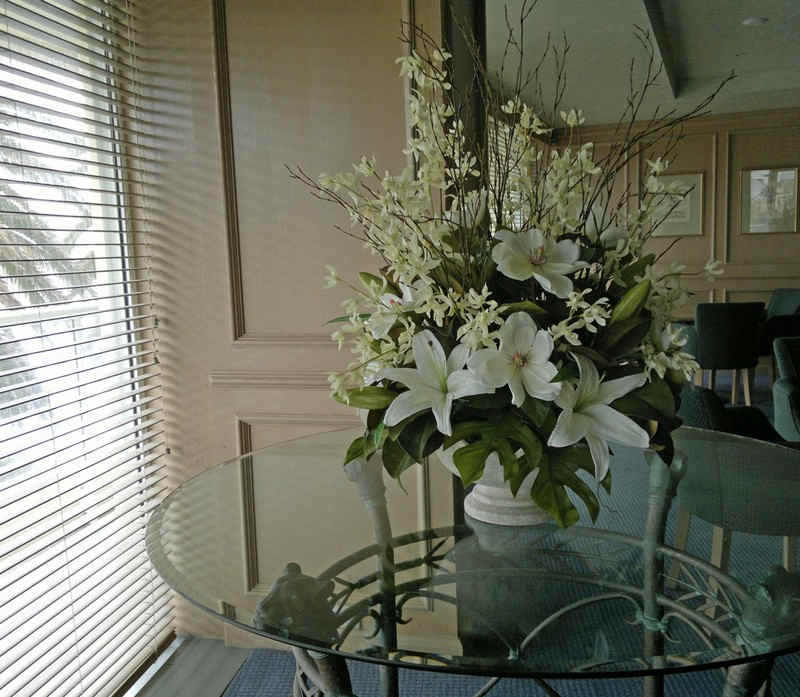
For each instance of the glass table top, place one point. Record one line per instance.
(279, 543)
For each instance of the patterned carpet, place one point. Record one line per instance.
(269, 673)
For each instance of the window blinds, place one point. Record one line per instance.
(81, 434)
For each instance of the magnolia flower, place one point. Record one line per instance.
(522, 362)
(434, 383)
(530, 253)
(586, 414)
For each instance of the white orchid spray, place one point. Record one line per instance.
(517, 309)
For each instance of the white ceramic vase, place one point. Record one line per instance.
(491, 500)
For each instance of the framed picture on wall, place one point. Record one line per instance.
(769, 200)
(683, 217)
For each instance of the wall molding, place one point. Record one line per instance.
(282, 339)
(244, 428)
(228, 168)
(269, 379)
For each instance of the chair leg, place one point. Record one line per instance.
(720, 557)
(747, 384)
(790, 553)
(713, 384)
(681, 540)
(734, 386)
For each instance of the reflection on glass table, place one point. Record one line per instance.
(538, 602)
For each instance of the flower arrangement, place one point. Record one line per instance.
(516, 310)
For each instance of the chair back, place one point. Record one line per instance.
(728, 334)
(787, 356)
(783, 301)
(740, 483)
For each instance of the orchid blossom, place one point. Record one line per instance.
(434, 384)
(586, 414)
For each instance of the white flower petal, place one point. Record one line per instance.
(380, 323)
(614, 389)
(457, 358)
(542, 348)
(600, 456)
(537, 381)
(513, 266)
(534, 239)
(491, 366)
(609, 424)
(504, 235)
(429, 357)
(464, 383)
(441, 412)
(517, 389)
(411, 402)
(568, 397)
(570, 428)
(559, 285)
(407, 376)
(589, 379)
(565, 251)
(542, 280)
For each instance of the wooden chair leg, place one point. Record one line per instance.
(681, 540)
(790, 553)
(720, 557)
(747, 384)
(734, 386)
(698, 377)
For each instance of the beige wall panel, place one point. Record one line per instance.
(767, 148)
(312, 84)
(695, 154)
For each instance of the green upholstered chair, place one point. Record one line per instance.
(786, 389)
(728, 336)
(701, 408)
(738, 484)
(782, 317)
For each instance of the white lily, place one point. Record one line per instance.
(529, 253)
(434, 384)
(522, 362)
(586, 414)
(381, 321)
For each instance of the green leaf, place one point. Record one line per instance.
(596, 357)
(470, 461)
(356, 449)
(569, 371)
(415, 436)
(524, 306)
(627, 276)
(541, 414)
(566, 476)
(469, 430)
(485, 402)
(631, 405)
(613, 335)
(377, 284)
(575, 456)
(631, 303)
(658, 395)
(374, 417)
(395, 459)
(552, 497)
(606, 483)
(514, 471)
(376, 436)
(371, 397)
(516, 430)
(345, 318)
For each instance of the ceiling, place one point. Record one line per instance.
(699, 41)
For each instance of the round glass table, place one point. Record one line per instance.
(287, 544)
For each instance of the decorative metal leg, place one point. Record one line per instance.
(746, 679)
(663, 486)
(320, 675)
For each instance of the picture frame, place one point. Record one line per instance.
(685, 219)
(769, 200)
